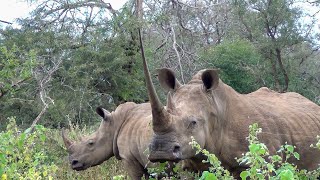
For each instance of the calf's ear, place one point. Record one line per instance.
(210, 79)
(105, 114)
(168, 80)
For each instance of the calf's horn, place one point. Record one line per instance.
(66, 140)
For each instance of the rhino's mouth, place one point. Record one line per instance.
(79, 167)
(163, 156)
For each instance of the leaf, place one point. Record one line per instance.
(211, 176)
(204, 175)
(254, 148)
(296, 155)
(21, 140)
(42, 137)
(290, 148)
(244, 174)
(286, 175)
(270, 167)
(2, 158)
(262, 151)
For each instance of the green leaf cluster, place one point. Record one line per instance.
(216, 170)
(262, 165)
(16, 65)
(23, 154)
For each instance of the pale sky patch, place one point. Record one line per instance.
(12, 9)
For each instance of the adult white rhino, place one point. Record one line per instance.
(218, 118)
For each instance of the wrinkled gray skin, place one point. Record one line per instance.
(218, 118)
(124, 133)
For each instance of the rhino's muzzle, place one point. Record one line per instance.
(76, 165)
(164, 149)
(164, 156)
(167, 154)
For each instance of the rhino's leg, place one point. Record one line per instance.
(134, 169)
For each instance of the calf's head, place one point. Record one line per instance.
(93, 149)
(190, 112)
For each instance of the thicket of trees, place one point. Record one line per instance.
(71, 56)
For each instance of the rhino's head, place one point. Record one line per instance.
(93, 149)
(191, 111)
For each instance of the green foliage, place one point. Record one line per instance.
(16, 72)
(23, 154)
(216, 170)
(15, 66)
(304, 76)
(262, 165)
(100, 68)
(118, 177)
(238, 61)
(164, 170)
(158, 170)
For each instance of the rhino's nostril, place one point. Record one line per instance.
(74, 162)
(176, 148)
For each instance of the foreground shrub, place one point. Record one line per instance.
(216, 171)
(262, 165)
(23, 154)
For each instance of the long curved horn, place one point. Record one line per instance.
(160, 118)
(66, 140)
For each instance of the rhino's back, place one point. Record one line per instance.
(288, 118)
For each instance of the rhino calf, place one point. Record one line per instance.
(124, 133)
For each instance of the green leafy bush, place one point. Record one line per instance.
(23, 154)
(172, 171)
(216, 171)
(262, 165)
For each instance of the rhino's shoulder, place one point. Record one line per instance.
(127, 105)
(263, 91)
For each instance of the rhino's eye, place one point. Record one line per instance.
(90, 142)
(192, 124)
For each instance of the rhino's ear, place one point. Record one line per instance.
(105, 114)
(210, 79)
(168, 80)
(170, 104)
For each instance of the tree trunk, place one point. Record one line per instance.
(275, 73)
(283, 70)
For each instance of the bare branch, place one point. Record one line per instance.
(5, 22)
(174, 45)
(197, 7)
(43, 83)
